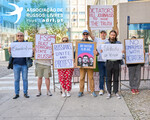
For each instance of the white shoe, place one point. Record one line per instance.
(63, 94)
(49, 93)
(108, 96)
(68, 94)
(118, 96)
(101, 92)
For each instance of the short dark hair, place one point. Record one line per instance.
(133, 37)
(102, 31)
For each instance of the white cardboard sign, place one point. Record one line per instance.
(21, 49)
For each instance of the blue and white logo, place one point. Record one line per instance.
(16, 12)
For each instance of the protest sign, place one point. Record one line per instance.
(43, 46)
(111, 51)
(85, 57)
(134, 51)
(21, 49)
(63, 56)
(101, 17)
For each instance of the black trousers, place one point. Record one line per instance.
(112, 70)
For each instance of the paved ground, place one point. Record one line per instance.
(73, 108)
(58, 108)
(138, 104)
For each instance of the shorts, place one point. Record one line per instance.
(42, 71)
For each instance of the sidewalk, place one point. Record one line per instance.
(58, 108)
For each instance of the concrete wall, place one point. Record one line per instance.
(139, 12)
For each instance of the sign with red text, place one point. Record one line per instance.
(43, 46)
(101, 17)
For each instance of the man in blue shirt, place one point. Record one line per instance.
(20, 65)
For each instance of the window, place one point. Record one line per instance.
(82, 20)
(74, 12)
(82, 13)
(141, 31)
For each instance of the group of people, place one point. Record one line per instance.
(107, 70)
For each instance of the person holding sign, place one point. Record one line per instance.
(112, 67)
(20, 65)
(43, 69)
(84, 70)
(65, 76)
(101, 62)
(134, 75)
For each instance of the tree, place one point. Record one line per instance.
(32, 28)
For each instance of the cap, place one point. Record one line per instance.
(85, 31)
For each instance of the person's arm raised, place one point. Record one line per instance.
(91, 35)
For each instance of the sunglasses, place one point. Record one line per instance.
(65, 40)
(85, 34)
(19, 35)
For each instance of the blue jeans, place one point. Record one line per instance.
(17, 70)
(102, 74)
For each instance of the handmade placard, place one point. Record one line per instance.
(85, 57)
(63, 56)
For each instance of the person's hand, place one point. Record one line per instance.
(75, 65)
(9, 50)
(101, 51)
(148, 53)
(33, 49)
(123, 51)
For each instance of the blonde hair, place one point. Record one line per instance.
(64, 37)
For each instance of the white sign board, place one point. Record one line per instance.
(101, 17)
(21, 49)
(63, 56)
(134, 51)
(112, 51)
(43, 46)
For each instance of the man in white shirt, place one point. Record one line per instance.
(101, 62)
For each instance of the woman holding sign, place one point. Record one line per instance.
(65, 77)
(134, 75)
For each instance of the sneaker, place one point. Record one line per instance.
(133, 91)
(63, 94)
(16, 96)
(101, 92)
(94, 94)
(80, 94)
(39, 94)
(118, 96)
(136, 91)
(68, 94)
(49, 93)
(108, 96)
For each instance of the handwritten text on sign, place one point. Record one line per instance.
(112, 51)
(21, 49)
(101, 16)
(134, 51)
(43, 46)
(63, 55)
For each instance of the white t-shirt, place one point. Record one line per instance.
(99, 41)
